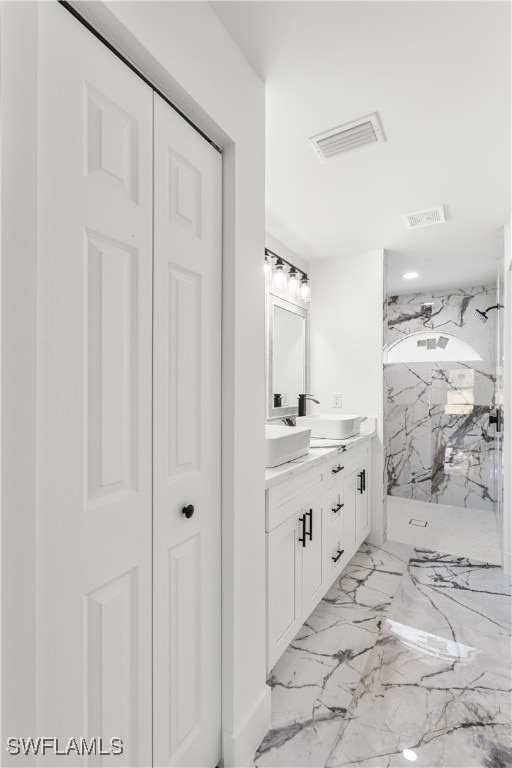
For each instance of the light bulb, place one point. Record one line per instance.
(411, 275)
(267, 267)
(279, 276)
(410, 754)
(305, 291)
(293, 282)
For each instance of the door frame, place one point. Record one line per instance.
(19, 126)
(506, 452)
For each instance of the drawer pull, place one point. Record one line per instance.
(337, 469)
(310, 532)
(337, 509)
(335, 559)
(303, 521)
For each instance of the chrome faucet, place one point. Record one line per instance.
(302, 403)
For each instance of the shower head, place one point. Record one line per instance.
(482, 316)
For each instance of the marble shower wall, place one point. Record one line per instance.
(439, 443)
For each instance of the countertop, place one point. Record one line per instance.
(319, 450)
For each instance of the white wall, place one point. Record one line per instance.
(18, 68)
(184, 48)
(347, 331)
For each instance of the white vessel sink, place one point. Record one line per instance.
(331, 425)
(284, 444)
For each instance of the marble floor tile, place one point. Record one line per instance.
(313, 683)
(438, 679)
(409, 650)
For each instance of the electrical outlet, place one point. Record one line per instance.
(336, 401)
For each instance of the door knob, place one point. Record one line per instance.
(188, 511)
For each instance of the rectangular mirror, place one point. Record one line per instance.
(287, 356)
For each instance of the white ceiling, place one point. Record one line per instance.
(438, 74)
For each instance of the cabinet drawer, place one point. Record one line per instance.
(286, 498)
(333, 505)
(335, 471)
(334, 552)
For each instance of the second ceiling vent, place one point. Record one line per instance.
(424, 218)
(344, 138)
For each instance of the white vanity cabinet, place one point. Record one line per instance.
(359, 489)
(284, 599)
(317, 515)
(310, 556)
(294, 557)
(338, 528)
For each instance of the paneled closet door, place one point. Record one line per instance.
(94, 396)
(187, 444)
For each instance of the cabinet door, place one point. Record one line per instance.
(284, 599)
(362, 505)
(349, 512)
(312, 558)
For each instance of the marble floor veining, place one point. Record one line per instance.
(409, 651)
(314, 681)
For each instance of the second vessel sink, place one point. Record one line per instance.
(331, 425)
(284, 444)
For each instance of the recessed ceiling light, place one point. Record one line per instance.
(410, 754)
(411, 275)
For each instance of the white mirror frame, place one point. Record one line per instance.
(276, 301)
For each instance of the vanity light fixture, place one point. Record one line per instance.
(279, 275)
(305, 291)
(411, 275)
(295, 280)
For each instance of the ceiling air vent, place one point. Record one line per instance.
(425, 218)
(344, 138)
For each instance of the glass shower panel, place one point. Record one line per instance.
(440, 443)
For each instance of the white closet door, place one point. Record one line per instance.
(94, 395)
(187, 444)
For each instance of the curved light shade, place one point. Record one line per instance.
(433, 347)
